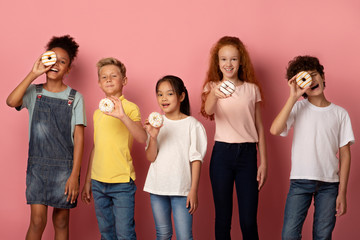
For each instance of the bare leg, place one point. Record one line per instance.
(38, 220)
(61, 223)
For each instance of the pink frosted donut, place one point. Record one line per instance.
(303, 79)
(106, 105)
(156, 119)
(227, 87)
(48, 58)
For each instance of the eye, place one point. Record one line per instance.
(63, 62)
(159, 94)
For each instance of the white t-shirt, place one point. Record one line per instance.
(179, 143)
(319, 132)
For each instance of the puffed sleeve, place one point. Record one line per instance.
(198, 142)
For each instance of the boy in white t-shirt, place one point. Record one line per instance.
(321, 130)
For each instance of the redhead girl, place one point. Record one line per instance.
(239, 135)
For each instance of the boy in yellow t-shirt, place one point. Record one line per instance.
(110, 175)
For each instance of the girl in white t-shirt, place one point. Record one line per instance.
(176, 151)
(239, 133)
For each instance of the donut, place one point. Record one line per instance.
(106, 105)
(303, 79)
(48, 58)
(156, 119)
(227, 87)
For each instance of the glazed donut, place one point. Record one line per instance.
(303, 79)
(106, 105)
(155, 119)
(227, 87)
(48, 58)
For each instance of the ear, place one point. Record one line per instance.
(124, 81)
(182, 97)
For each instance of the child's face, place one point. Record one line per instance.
(62, 65)
(229, 62)
(317, 85)
(167, 99)
(111, 80)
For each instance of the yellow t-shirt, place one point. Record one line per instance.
(112, 162)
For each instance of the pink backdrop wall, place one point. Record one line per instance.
(160, 37)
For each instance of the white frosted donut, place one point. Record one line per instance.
(155, 119)
(227, 87)
(303, 79)
(106, 105)
(48, 58)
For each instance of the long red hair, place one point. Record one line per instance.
(246, 71)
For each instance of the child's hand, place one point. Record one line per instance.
(118, 111)
(192, 202)
(295, 90)
(72, 189)
(152, 131)
(39, 68)
(86, 195)
(219, 94)
(340, 205)
(261, 175)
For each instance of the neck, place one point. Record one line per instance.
(175, 115)
(54, 86)
(319, 101)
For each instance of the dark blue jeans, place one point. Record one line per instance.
(114, 207)
(235, 163)
(298, 202)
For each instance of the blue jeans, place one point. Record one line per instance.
(162, 207)
(298, 202)
(235, 163)
(114, 207)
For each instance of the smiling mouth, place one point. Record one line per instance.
(314, 87)
(54, 70)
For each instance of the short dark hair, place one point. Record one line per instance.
(304, 63)
(65, 42)
(179, 88)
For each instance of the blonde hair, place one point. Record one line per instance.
(111, 61)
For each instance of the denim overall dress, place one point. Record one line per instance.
(50, 151)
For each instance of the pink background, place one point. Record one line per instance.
(160, 37)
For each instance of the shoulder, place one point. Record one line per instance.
(129, 104)
(194, 122)
(340, 110)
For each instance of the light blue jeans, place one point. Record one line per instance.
(298, 202)
(162, 207)
(114, 208)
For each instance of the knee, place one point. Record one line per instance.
(38, 223)
(61, 221)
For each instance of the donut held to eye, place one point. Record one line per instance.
(48, 58)
(303, 79)
(106, 105)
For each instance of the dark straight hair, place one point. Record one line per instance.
(179, 88)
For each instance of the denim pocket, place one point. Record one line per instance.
(42, 114)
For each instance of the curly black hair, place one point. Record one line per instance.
(65, 42)
(304, 63)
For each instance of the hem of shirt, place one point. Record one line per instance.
(165, 193)
(321, 179)
(114, 180)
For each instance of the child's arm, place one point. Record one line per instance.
(192, 198)
(72, 184)
(135, 128)
(345, 159)
(279, 124)
(86, 191)
(151, 150)
(212, 98)
(16, 96)
(262, 169)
